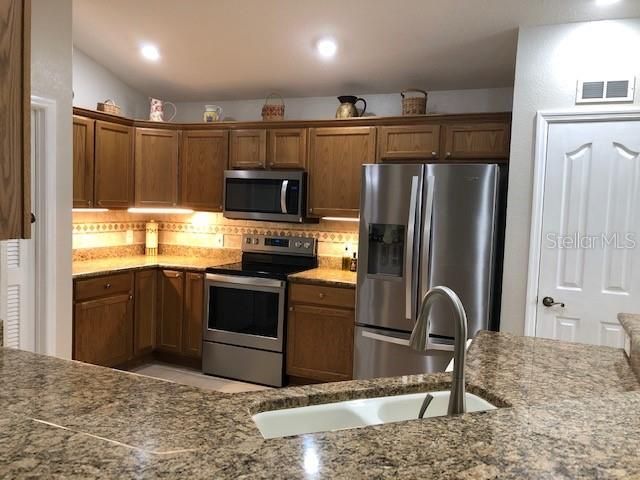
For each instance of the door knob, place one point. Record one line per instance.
(550, 302)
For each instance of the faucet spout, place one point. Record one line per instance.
(420, 341)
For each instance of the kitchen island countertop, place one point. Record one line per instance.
(568, 411)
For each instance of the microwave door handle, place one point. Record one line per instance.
(283, 196)
(408, 266)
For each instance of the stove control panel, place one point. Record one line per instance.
(284, 245)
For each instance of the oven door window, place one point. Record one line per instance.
(249, 312)
(260, 195)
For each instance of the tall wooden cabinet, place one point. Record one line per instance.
(203, 159)
(83, 161)
(114, 165)
(156, 167)
(336, 156)
(170, 311)
(15, 130)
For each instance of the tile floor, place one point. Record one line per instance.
(194, 378)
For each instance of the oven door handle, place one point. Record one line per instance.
(251, 281)
(283, 196)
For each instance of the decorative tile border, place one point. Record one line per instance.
(107, 227)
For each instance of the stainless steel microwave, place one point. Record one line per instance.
(277, 196)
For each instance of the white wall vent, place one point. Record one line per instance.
(605, 91)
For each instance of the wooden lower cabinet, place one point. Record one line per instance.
(320, 338)
(170, 311)
(103, 324)
(146, 310)
(193, 315)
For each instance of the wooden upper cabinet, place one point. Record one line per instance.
(146, 308)
(170, 311)
(113, 165)
(288, 148)
(408, 142)
(193, 315)
(203, 159)
(156, 168)
(248, 149)
(476, 141)
(15, 130)
(336, 156)
(83, 161)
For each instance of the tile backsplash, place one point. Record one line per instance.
(104, 233)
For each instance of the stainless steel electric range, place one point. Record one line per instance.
(245, 304)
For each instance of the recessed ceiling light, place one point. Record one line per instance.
(327, 47)
(150, 52)
(604, 3)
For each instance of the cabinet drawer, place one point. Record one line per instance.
(103, 286)
(319, 295)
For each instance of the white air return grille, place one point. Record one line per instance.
(12, 322)
(605, 91)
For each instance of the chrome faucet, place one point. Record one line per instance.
(420, 340)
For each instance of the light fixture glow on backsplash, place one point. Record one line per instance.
(341, 219)
(168, 211)
(89, 210)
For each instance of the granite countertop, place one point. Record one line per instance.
(568, 411)
(104, 266)
(326, 276)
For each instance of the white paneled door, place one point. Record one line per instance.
(590, 252)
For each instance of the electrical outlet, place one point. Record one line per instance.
(218, 240)
(129, 238)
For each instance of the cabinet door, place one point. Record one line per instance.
(83, 130)
(203, 159)
(146, 304)
(248, 149)
(476, 141)
(320, 343)
(103, 330)
(193, 315)
(170, 311)
(15, 129)
(156, 172)
(336, 156)
(288, 148)
(408, 142)
(114, 165)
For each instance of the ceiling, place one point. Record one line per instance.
(240, 49)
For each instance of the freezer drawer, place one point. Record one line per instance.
(384, 353)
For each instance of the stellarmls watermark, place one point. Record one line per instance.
(577, 240)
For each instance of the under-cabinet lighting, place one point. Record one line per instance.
(89, 210)
(341, 219)
(181, 211)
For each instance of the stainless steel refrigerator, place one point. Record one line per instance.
(422, 226)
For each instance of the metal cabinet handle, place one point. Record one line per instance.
(283, 196)
(291, 309)
(448, 154)
(433, 154)
(107, 286)
(321, 295)
(550, 302)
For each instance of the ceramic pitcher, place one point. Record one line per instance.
(347, 108)
(156, 113)
(212, 113)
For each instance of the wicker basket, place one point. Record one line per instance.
(271, 111)
(414, 105)
(109, 106)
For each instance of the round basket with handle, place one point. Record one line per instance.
(273, 111)
(414, 105)
(109, 106)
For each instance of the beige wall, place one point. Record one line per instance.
(93, 83)
(450, 101)
(550, 60)
(51, 78)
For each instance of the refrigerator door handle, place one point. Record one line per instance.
(426, 232)
(408, 261)
(385, 338)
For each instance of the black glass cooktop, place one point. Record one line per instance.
(266, 266)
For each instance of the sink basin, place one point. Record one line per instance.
(357, 413)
